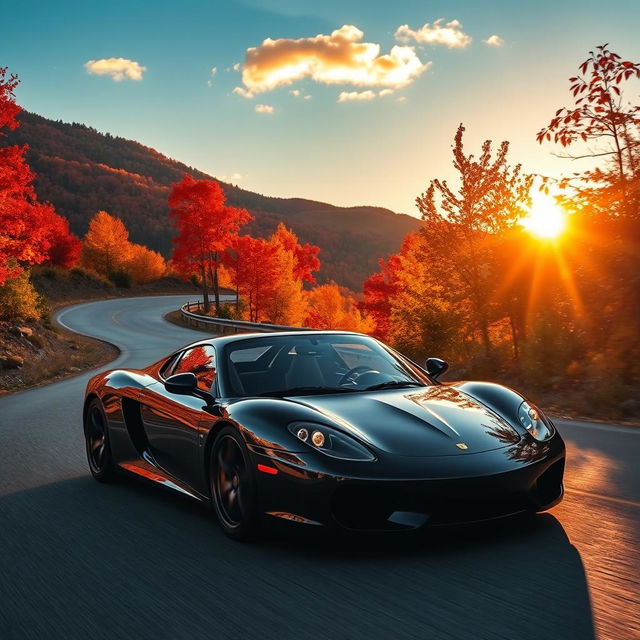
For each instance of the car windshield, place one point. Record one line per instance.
(315, 364)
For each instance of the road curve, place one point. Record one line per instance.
(83, 560)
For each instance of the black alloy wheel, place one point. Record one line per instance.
(233, 485)
(97, 441)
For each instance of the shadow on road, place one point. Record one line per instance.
(82, 560)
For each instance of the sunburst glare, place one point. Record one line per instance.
(546, 219)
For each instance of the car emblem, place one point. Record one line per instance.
(461, 445)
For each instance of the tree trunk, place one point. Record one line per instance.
(205, 290)
(216, 285)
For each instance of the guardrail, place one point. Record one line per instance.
(226, 326)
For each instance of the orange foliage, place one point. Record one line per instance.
(145, 265)
(106, 245)
(330, 308)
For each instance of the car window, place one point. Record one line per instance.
(272, 365)
(200, 361)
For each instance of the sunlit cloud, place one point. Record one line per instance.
(350, 96)
(214, 70)
(245, 93)
(449, 34)
(338, 58)
(118, 68)
(264, 108)
(494, 41)
(354, 96)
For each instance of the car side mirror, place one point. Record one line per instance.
(436, 367)
(185, 383)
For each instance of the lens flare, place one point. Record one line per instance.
(546, 219)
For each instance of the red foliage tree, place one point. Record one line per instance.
(206, 228)
(25, 224)
(254, 266)
(65, 247)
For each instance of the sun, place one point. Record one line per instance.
(546, 219)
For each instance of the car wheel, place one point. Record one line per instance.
(233, 486)
(96, 436)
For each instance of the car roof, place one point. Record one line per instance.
(239, 337)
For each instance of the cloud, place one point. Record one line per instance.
(348, 96)
(449, 34)
(338, 58)
(245, 93)
(494, 41)
(118, 68)
(264, 108)
(351, 96)
(214, 70)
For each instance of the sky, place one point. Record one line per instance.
(350, 102)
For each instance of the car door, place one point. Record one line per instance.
(173, 422)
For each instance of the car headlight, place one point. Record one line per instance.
(330, 441)
(533, 421)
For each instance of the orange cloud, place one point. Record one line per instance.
(338, 58)
(450, 34)
(118, 68)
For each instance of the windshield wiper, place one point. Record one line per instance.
(393, 384)
(306, 390)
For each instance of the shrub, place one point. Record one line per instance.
(121, 279)
(19, 300)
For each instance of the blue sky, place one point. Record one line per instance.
(379, 151)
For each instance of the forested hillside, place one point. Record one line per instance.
(81, 171)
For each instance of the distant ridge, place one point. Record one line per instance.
(81, 171)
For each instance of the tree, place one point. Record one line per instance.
(145, 265)
(254, 265)
(25, 237)
(66, 248)
(415, 306)
(330, 308)
(600, 113)
(206, 228)
(106, 248)
(460, 226)
(296, 263)
(606, 199)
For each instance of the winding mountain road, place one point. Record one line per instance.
(83, 560)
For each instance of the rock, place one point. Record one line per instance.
(73, 346)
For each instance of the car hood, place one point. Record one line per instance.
(430, 421)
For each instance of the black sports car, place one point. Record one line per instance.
(323, 428)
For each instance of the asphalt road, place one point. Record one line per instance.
(83, 560)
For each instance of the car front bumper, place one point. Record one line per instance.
(478, 487)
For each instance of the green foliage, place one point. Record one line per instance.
(229, 311)
(19, 300)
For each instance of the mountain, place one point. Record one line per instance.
(81, 171)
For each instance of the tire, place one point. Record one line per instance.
(233, 486)
(98, 446)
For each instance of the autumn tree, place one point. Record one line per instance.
(604, 125)
(206, 227)
(332, 308)
(106, 247)
(145, 265)
(66, 248)
(461, 224)
(296, 263)
(601, 114)
(254, 264)
(25, 235)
